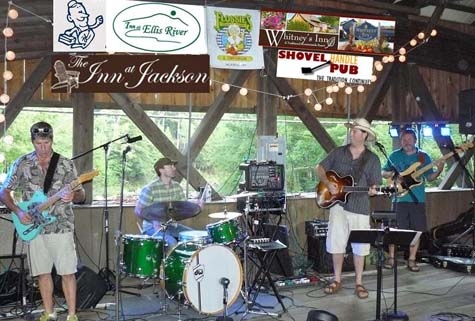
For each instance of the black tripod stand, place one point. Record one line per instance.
(105, 273)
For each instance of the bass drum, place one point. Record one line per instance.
(196, 272)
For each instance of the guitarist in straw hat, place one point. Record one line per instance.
(410, 208)
(363, 165)
(54, 245)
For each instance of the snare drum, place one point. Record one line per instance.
(142, 256)
(196, 237)
(224, 231)
(196, 272)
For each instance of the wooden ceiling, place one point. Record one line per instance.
(453, 49)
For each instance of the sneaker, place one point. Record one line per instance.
(72, 318)
(48, 317)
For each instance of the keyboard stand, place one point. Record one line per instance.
(264, 263)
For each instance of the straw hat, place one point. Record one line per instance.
(364, 125)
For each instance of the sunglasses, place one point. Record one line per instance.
(45, 130)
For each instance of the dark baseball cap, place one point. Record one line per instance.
(163, 162)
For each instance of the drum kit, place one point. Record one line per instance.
(202, 270)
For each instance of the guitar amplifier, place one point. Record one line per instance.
(316, 228)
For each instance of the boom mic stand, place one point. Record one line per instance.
(105, 272)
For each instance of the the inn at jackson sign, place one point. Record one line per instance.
(131, 73)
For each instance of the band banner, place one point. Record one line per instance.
(131, 73)
(233, 38)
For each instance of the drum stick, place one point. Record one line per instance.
(140, 227)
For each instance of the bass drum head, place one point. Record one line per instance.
(202, 278)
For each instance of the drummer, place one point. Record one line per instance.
(161, 189)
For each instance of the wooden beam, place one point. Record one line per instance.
(26, 91)
(138, 116)
(296, 103)
(377, 94)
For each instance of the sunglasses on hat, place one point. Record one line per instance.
(44, 130)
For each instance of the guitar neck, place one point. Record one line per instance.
(424, 169)
(56, 197)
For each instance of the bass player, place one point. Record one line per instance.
(357, 160)
(410, 208)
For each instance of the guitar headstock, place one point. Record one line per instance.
(464, 147)
(87, 176)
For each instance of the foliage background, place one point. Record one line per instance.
(232, 143)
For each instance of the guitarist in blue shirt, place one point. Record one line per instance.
(52, 243)
(409, 207)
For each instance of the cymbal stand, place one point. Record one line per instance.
(162, 273)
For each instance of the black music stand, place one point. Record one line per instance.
(379, 238)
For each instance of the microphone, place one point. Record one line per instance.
(224, 282)
(131, 140)
(126, 150)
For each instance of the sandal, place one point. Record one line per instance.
(332, 288)
(389, 265)
(412, 266)
(361, 292)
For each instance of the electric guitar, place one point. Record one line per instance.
(346, 186)
(409, 177)
(37, 207)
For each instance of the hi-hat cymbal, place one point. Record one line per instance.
(177, 210)
(243, 194)
(225, 214)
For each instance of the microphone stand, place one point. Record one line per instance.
(105, 272)
(224, 282)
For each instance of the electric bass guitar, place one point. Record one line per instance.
(37, 207)
(345, 185)
(409, 177)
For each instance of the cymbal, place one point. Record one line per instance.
(177, 210)
(225, 214)
(243, 194)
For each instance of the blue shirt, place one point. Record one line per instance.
(401, 161)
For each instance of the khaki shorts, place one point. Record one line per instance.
(47, 250)
(340, 224)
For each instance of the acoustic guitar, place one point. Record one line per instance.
(37, 207)
(409, 178)
(346, 186)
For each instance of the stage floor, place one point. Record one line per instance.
(430, 295)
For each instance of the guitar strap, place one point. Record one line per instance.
(359, 169)
(50, 172)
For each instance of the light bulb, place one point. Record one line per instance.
(225, 87)
(329, 101)
(8, 32)
(402, 58)
(2, 118)
(374, 78)
(391, 58)
(10, 55)
(317, 107)
(385, 59)
(12, 14)
(308, 92)
(8, 139)
(413, 42)
(7, 75)
(243, 91)
(433, 33)
(379, 67)
(341, 84)
(335, 88)
(360, 88)
(4, 98)
(402, 51)
(329, 89)
(421, 35)
(348, 90)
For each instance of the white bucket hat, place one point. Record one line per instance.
(364, 125)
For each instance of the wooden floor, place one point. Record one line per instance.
(431, 295)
